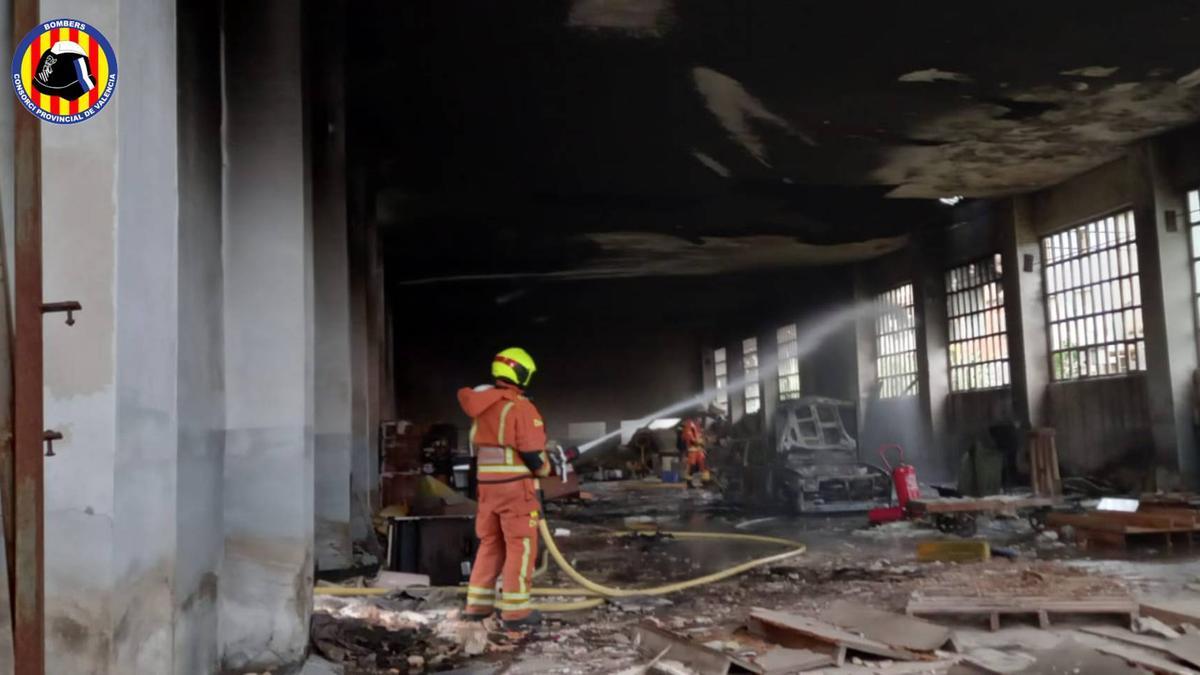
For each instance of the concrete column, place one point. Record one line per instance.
(264, 603)
(363, 463)
(199, 513)
(79, 263)
(1024, 310)
(145, 470)
(929, 295)
(1167, 312)
(333, 380)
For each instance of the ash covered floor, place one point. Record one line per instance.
(846, 565)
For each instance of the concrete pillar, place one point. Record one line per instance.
(332, 376)
(1167, 312)
(264, 604)
(80, 394)
(363, 463)
(145, 469)
(199, 513)
(929, 295)
(1024, 310)
(112, 242)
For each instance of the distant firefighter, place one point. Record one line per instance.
(693, 439)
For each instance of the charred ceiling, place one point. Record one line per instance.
(605, 138)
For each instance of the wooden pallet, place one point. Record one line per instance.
(998, 504)
(1043, 463)
(1039, 607)
(1117, 530)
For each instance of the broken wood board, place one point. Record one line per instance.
(1146, 660)
(976, 504)
(954, 551)
(1174, 613)
(1127, 636)
(1143, 522)
(1186, 648)
(783, 660)
(1040, 607)
(703, 660)
(894, 630)
(793, 630)
(939, 667)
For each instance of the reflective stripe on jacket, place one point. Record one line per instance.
(505, 424)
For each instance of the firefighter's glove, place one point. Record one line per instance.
(561, 459)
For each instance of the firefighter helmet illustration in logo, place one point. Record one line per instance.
(64, 71)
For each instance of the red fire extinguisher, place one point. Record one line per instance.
(904, 477)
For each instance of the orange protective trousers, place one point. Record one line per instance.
(507, 525)
(696, 460)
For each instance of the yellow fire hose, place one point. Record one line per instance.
(596, 593)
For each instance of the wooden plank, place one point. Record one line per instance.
(1186, 648)
(1127, 636)
(701, 659)
(1174, 613)
(895, 630)
(1124, 523)
(818, 630)
(954, 551)
(967, 603)
(1154, 664)
(783, 660)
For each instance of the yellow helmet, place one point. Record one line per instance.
(515, 365)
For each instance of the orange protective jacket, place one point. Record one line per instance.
(505, 419)
(692, 436)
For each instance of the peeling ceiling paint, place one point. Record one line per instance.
(638, 254)
(716, 167)
(735, 108)
(639, 18)
(934, 75)
(1190, 80)
(991, 148)
(1092, 71)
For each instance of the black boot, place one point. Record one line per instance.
(533, 620)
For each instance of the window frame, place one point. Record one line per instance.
(721, 380)
(1133, 277)
(1191, 199)
(888, 297)
(997, 267)
(756, 382)
(788, 394)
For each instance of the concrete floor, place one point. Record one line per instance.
(844, 561)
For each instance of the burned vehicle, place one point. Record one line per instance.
(816, 465)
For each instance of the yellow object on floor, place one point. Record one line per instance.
(954, 551)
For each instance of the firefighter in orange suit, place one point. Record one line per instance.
(509, 438)
(693, 439)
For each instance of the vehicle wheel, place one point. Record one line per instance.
(944, 523)
(1037, 520)
(965, 525)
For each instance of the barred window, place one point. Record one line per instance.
(1193, 200)
(1094, 299)
(978, 329)
(753, 390)
(896, 343)
(721, 376)
(789, 362)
